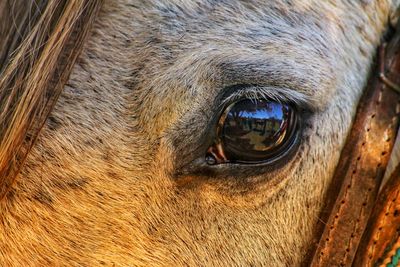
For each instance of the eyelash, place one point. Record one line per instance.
(194, 163)
(256, 92)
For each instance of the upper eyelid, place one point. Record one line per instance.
(278, 94)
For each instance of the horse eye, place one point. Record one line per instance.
(254, 131)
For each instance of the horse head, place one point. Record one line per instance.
(144, 158)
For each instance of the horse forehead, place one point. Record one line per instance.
(178, 26)
(252, 19)
(179, 45)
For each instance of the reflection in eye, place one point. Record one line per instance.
(252, 131)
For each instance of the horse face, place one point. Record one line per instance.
(119, 174)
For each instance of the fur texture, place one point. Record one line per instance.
(109, 180)
(38, 50)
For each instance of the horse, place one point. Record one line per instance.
(112, 111)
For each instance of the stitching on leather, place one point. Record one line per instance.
(334, 223)
(380, 227)
(377, 166)
(355, 228)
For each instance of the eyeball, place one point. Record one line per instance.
(254, 131)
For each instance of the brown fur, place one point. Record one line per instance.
(109, 181)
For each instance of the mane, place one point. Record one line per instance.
(40, 41)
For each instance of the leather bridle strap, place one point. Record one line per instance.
(355, 186)
(381, 240)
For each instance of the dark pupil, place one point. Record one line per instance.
(255, 130)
